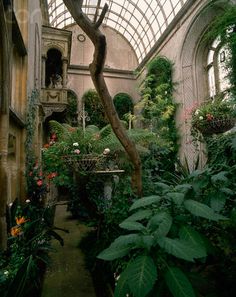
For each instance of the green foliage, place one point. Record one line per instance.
(221, 149)
(94, 108)
(72, 109)
(30, 232)
(178, 283)
(30, 127)
(123, 104)
(158, 114)
(171, 230)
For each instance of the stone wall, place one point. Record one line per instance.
(121, 61)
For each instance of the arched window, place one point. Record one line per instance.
(53, 68)
(217, 62)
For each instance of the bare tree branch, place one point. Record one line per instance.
(96, 70)
(102, 16)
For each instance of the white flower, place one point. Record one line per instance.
(200, 118)
(6, 272)
(27, 201)
(106, 151)
(75, 144)
(197, 112)
(10, 204)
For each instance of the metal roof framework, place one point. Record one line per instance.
(141, 22)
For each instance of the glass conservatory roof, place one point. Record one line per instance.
(141, 22)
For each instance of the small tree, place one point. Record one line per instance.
(96, 69)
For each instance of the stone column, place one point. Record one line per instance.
(64, 73)
(44, 58)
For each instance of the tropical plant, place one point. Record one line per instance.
(170, 235)
(30, 232)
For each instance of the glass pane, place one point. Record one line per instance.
(148, 17)
(211, 82)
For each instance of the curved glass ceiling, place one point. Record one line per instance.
(141, 22)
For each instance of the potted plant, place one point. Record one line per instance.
(214, 116)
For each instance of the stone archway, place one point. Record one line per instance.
(194, 76)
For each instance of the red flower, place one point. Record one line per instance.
(52, 175)
(46, 145)
(39, 182)
(54, 136)
(209, 117)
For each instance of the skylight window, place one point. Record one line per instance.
(148, 18)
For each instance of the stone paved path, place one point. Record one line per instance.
(68, 277)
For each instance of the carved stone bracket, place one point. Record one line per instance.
(49, 109)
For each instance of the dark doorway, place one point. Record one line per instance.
(53, 67)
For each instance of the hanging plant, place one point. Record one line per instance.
(213, 117)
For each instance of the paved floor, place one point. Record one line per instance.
(68, 277)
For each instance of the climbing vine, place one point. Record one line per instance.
(158, 110)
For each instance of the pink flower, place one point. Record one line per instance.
(39, 182)
(77, 151)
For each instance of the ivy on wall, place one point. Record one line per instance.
(30, 128)
(157, 105)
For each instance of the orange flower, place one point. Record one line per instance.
(21, 220)
(16, 231)
(46, 145)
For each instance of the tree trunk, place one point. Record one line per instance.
(96, 70)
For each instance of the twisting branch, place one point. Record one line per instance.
(96, 70)
(102, 16)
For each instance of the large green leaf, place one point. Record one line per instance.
(139, 215)
(145, 201)
(201, 210)
(219, 177)
(132, 226)
(122, 288)
(142, 274)
(177, 198)
(183, 188)
(178, 283)
(218, 200)
(182, 249)
(129, 239)
(114, 252)
(189, 234)
(160, 223)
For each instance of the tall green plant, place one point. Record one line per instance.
(166, 238)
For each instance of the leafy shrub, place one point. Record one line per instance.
(24, 261)
(170, 235)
